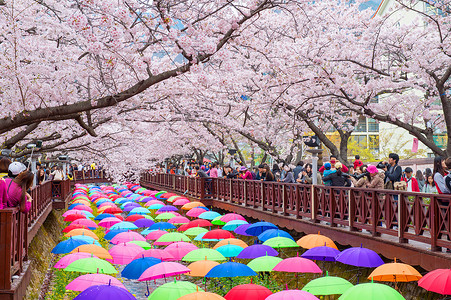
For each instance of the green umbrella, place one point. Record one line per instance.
(264, 263)
(173, 237)
(327, 285)
(371, 291)
(195, 231)
(280, 242)
(142, 244)
(204, 254)
(174, 290)
(91, 265)
(165, 216)
(216, 221)
(147, 217)
(160, 193)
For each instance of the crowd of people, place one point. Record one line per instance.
(385, 175)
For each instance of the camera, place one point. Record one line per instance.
(381, 165)
(358, 176)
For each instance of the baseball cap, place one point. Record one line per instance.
(16, 168)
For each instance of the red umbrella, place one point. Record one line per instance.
(133, 218)
(195, 223)
(112, 210)
(74, 226)
(83, 207)
(73, 217)
(248, 291)
(118, 215)
(437, 281)
(218, 234)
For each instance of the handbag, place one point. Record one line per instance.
(400, 186)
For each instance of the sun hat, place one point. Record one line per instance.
(243, 168)
(338, 165)
(372, 169)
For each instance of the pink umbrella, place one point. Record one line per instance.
(83, 282)
(181, 245)
(172, 212)
(180, 202)
(155, 235)
(108, 222)
(157, 253)
(70, 258)
(127, 236)
(179, 220)
(71, 212)
(232, 216)
(179, 253)
(85, 222)
(124, 253)
(83, 207)
(152, 202)
(195, 212)
(292, 295)
(108, 203)
(297, 265)
(163, 270)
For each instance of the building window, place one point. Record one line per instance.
(359, 139)
(373, 143)
(373, 126)
(361, 125)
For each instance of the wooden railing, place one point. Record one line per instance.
(90, 176)
(412, 216)
(15, 226)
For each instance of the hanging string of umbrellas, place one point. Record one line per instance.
(156, 235)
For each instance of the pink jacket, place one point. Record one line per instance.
(247, 176)
(14, 195)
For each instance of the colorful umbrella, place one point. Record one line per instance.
(231, 216)
(173, 290)
(233, 241)
(155, 234)
(259, 227)
(328, 285)
(204, 253)
(229, 250)
(195, 223)
(179, 220)
(195, 231)
(209, 215)
(232, 225)
(166, 216)
(315, 240)
(248, 291)
(181, 245)
(264, 263)
(180, 202)
(68, 245)
(322, 253)
(103, 216)
(142, 244)
(168, 208)
(195, 212)
(179, 253)
(83, 282)
(91, 265)
(230, 269)
(112, 233)
(201, 296)
(124, 225)
(127, 236)
(437, 281)
(156, 253)
(297, 265)
(191, 205)
(123, 254)
(395, 272)
(360, 257)
(108, 222)
(142, 223)
(170, 238)
(217, 234)
(271, 233)
(255, 251)
(201, 268)
(371, 291)
(293, 295)
(280, 242)
(93, 249)
(101, 292)
(133, 218)
(163, 270)
(68, 259)
(241, 230)
(162, 225)
(86, 222)
(73, 217)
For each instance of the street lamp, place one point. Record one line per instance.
(6, 152)
(315, 153)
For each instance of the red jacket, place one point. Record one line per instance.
(415, 186)
(357, 163)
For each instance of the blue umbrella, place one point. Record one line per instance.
(234, 224)
(112, 233)
(147, 231)
(323, 253)
(120, 200)
(259, 227)
(156, 206)
(162, 226)
(141, 223)
(124, 225)
(134, 269)
(73, 205)
(86, 238)
(103, 201)
(86, 213)
(200, 236)
(271, 233)
(241, 230)
(68, 245)
(229, 250)
(255, 251)
(360, 257)
(209, 215)
(139, 211)
(230, 269)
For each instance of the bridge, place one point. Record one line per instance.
(413, 227)
(18, 230)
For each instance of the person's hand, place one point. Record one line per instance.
(29, 199)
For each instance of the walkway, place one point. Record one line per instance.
(414, 228)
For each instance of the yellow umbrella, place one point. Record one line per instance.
(93, 249)
(82, 202)
(80, 231)
(315, 240)
(395, 272)
(231, 241)
(191, 205)
(201, 295)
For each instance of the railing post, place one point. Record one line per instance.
(314, 205)
(297, 200)
(374, 214)
(332, 206)
(351, 208)
(433, 221)
(401, 218)
(230, 191)
(245, 193)
(284, 201)
(202, 189)
(6, 252)
(263, 195)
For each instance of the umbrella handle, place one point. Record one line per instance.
(147, 294)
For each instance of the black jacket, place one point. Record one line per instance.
(338, 179)
(233, 174)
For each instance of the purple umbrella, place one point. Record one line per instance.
(241, 230)
(129, 207)
(255, 251)
(360, 257)
(105, 292)
(141, 223)
(323, 253)
(167, 208)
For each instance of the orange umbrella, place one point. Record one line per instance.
(93, 249)
(395, 272)
(85, 202)
(103, 208)
(231, 241)
(201, 296)
(80, 231)
(315, 240)
(201, 268)
(190, 205)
